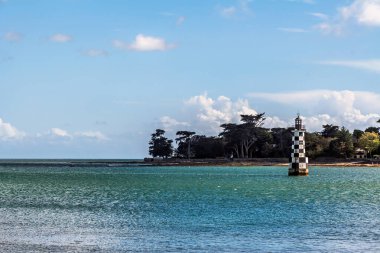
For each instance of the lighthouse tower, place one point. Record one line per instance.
(298, 163)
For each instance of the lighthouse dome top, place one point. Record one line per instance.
(298, 123)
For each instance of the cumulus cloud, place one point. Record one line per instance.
(352, 109)
(241, 7)
(144, 43)
(370, 65)
(365, 12)
(95, 53)
(12, 36)
(61, 38)
(360, 12)
(205, 114)
(9, 132)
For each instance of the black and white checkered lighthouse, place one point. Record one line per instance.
(298, 163)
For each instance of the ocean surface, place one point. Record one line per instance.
(191, 209)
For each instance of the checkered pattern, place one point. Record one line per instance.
(298, 162)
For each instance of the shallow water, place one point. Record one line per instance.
(218, 209)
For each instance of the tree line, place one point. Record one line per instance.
(249, 139)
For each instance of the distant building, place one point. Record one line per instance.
(298, 162)
(360, 153)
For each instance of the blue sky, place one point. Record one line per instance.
(94, 78)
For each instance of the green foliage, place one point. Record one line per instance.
(316, 144)
(343, 145)
(329, 131)
(249, 139)
(372, 130)
(160, 146)
(184, 140)
(369, 141)
(281, 142)
(357, 134)
(207, 147)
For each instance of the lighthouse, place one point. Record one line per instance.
(298, 162)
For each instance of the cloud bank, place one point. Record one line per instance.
(205, 114)
(352, 109)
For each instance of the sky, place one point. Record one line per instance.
(95, 78)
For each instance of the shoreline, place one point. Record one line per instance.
(220, 162)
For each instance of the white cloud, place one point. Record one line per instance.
(12, 36)
(61, 133)
(96, 53)
(57, 132)
(241, 7)
(360, 12)
(169, 124)
(352, 109)
(144, 43)
(206, 114)
(96, 135)
(9, 132)
(61, 38)
(292, 30)
(370, 65)
(365, 12)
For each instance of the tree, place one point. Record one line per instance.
(356, 134)
(160, 146)
(372, 130)
(282, 142)
(251, 132)
(329, 131)
(184, 143)
(343, 145)
(232, 138)
(316, 145)
(240, 138)
(256, 120)
(369, 141)
(207, 147)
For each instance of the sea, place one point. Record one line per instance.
(61, 207)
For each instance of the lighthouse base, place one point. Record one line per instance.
(298, 172)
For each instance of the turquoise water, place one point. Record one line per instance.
(171, 209)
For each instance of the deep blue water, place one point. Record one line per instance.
(171, 209)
